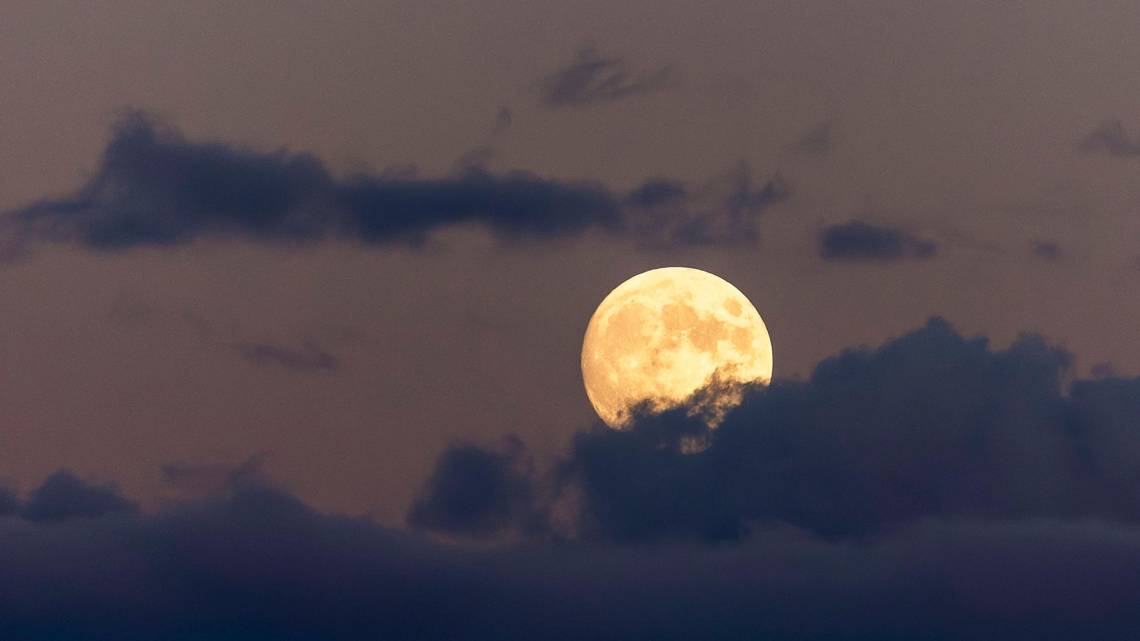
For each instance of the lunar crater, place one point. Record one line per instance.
(669, 337)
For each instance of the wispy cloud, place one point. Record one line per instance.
(818, 140)
(592, 77)
(308, 357)
(1047, 250)
(1110, 138)
(858, 241)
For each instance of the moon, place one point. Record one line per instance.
(666, 334)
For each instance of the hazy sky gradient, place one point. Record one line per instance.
(957, 123)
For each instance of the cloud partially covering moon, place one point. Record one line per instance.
(665, 334)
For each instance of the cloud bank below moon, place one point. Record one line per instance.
(254, 563)
(933, 487)
(931, 425)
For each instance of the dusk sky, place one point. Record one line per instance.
(310, 281)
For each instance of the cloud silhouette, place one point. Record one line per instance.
(155, 188)
(664, 213)
(933, 487)
(931, 425)
(1111, 139)
(309, 357)
(255, 563)
(478, 491)
(658, 192)
(858, 241)
(594, 78)
(1048, 250)
(9, 501)
(64, 496)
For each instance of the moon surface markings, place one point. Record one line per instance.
(664, 334)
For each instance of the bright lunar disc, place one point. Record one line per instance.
(667, 333)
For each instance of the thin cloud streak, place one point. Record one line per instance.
(1110, 138)
(593, 78)
(256, 562)
(309, 357)
(858, 241)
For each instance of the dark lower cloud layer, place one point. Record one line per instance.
(477, 492)
(9, 502)
(255, 563)
(64, 496)
(932, 488)
(153, 187)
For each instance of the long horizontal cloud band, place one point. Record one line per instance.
(154, 187)
(257, 564)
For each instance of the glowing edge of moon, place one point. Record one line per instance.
(665, 334)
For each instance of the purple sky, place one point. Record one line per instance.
(981, 130)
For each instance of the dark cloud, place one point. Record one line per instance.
(516, 205)
(593, 78)
(309, 357)
(9, 501)
(818, 140)
(858, 241)
(64, 496)
(1048, 250)
(1110, 138)
(931, 488)
(1104, 369)
(257, 564)
(663, 212)
(931, 425)
(658, 192)
(155, 188)
(746, 198)
(478, 492)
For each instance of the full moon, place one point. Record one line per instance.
(668, 333)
